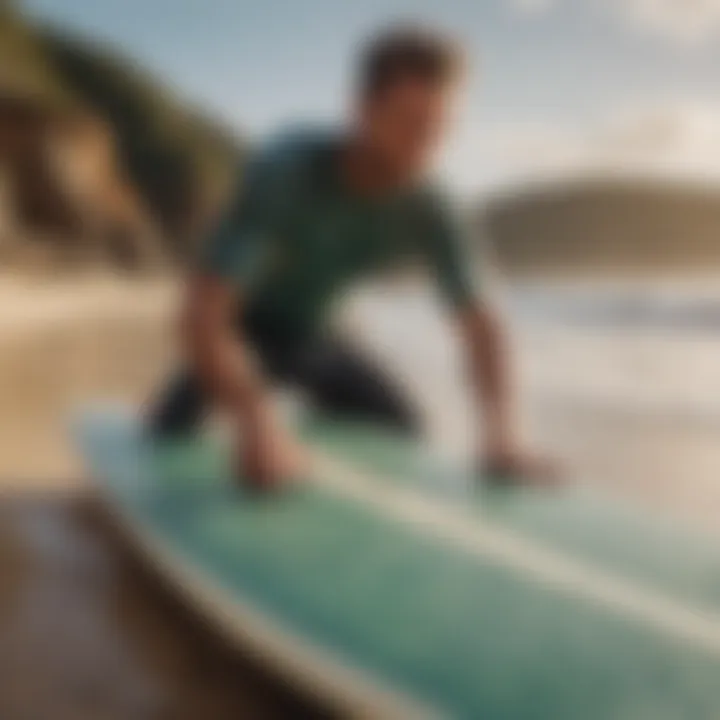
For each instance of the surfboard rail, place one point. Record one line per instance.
(229, 562)
(345, 691)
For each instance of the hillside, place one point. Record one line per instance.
(607, 225)
(177, 160)
(25, 68)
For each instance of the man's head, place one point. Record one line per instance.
(407, 86)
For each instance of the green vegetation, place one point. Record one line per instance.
(24, 66)
(179, 159)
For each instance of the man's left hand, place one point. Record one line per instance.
(512, 467)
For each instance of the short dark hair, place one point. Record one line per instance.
(409, 51)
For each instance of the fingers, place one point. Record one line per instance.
(270, 466)
(523, 471)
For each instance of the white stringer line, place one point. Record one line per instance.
(502, 547)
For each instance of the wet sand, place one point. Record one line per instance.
(86, 633)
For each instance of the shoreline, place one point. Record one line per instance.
(32, 303)
(66, 341)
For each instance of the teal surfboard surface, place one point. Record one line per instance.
(465, 603)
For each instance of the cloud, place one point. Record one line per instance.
(688, 22)
(678, 140)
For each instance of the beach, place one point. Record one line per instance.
(65, 342)
(627, 399)
(85, 632)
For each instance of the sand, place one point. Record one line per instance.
(84, 632)
(64, 342)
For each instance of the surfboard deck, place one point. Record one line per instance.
(390, 586)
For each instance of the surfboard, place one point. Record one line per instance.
(390, 584)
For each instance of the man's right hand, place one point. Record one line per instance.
(266, 454)
(269, 457)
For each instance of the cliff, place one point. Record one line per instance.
(98, 154)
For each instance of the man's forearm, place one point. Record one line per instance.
(490, 373)
(225, 368)
(223, 363)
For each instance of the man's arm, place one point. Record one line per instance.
(456, 269)
(217, 352)
(487, 346)
(505, 459)
(225, 365)
(486, 343)
(236, 258)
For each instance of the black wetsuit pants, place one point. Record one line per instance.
(337, 377)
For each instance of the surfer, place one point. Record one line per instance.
(315, 212)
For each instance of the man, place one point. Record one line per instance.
(317, 212)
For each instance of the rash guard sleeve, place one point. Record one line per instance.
(241, 247)
(455, 263)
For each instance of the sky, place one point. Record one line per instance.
(559, 87)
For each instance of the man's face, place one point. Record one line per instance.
(405, 123)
